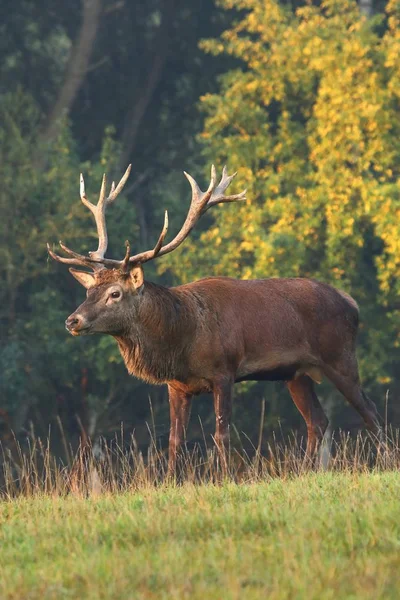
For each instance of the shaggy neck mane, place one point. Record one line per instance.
(158, 334)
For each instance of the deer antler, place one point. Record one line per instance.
(94, 259)
(200, 203)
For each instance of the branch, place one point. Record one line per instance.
(392, 307)
(114, 7)
(137, 112)
(366, 8)
(76, 68)
(140, 179)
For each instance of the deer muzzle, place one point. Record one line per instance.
(76, 324)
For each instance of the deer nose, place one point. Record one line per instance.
(73, 323)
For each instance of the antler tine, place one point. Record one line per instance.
(99, 213)
(196, 191)
(88, 261)
(78, 259)
(116, 190)
(83, 193)
(102, 195)
(199, 197)
(125, 262)
(213, 180)
(149, 254)
(163, 233)
(218, 196)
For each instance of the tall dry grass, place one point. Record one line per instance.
(120, 466)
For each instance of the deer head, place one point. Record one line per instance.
(114, 287)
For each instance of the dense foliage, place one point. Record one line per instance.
(310, 120)
(306, 107)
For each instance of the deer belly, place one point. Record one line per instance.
(278, 365)
(281, 373)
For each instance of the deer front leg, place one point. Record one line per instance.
(223, 396)
(179, 410)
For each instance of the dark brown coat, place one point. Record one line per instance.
(209, 334)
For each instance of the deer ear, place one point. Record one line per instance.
(85, 279)
(137, 277)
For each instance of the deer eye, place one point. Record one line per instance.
(115, 294)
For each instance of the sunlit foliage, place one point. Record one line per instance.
(310, 119)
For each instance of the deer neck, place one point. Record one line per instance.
(153, 347)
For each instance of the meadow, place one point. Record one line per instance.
(274, 528)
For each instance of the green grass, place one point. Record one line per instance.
(315, 536)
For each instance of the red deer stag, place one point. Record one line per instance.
(209, 334)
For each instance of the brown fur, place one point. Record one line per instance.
(206, 335)
(106, 276)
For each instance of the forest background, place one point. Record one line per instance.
(302, 98)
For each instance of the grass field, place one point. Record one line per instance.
(314, 536)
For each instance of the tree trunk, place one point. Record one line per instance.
(138, 110)
(366, 8)
(77, 67)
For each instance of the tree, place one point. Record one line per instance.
(309, 120)
(73, 78)
(77, 66)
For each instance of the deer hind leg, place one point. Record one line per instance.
(179, 408)
(344, 376)
(303, 394)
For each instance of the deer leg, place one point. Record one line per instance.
(345, 378)
(179, 407)
(223, 396)
(304, 396)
